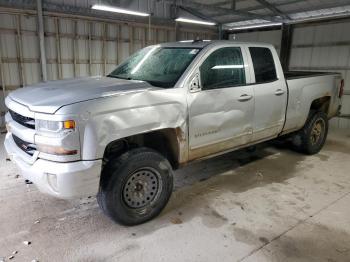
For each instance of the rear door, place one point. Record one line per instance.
(270, 93)
(220, 114)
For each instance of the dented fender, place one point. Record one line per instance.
(104, 120)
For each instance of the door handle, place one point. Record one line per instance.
(279, 92)
(244, 97)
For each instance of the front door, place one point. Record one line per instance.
(220, 114)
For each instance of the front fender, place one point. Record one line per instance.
(108, 119)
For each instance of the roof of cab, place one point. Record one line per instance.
(204, 43)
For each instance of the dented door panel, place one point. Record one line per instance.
(218, 121)
(221, 118)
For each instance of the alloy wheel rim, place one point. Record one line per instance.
(317, 131)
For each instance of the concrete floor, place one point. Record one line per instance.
(272, 205)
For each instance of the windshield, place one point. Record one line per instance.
(159, 66)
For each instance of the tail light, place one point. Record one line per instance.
(341, 89)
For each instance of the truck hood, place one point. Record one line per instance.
(48, 97)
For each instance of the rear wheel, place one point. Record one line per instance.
(312, 137)
(136, 186)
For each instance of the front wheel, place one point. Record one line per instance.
(136, 186)
(312, 137)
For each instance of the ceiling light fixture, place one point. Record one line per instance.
(255, 26)
(319, 17)
(117, 10)
(192, 21)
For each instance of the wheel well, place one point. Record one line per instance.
(321, 104)
(163, 141)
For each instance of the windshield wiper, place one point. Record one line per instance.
(126, 78)
(152, 83)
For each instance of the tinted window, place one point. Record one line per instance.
(159, 66)
(223, 68)
(264, 66)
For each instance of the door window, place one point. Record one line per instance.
(264, 65)
(223, 68)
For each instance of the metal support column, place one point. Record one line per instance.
(58, 49)
(19, 51)
(149, 30)
(75, 49)
(104, 52)
(2, 75)
(286, 45)
(41, 39)
(220, 31)
(90, 47)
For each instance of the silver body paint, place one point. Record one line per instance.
(106, 109)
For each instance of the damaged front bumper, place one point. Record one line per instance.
(62, 180)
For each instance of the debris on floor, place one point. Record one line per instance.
(259, 175)
(176, 220)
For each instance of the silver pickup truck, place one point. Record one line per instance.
(121, 136)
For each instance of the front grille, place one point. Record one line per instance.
(23, 120)
(25, 146)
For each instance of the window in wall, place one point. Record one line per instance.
(223, 68)
(264, 65)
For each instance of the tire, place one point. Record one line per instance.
(135, 187)
(312, 137)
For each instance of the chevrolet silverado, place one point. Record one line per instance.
(121, 136)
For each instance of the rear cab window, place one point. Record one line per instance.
(264, 65)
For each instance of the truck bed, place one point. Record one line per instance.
(303, 74)
(305, 87)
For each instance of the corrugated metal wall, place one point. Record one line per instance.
(324, 47)
(317, 47)
(272, 37)
(74, 47)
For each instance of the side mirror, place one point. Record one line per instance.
(194, 84)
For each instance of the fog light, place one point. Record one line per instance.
(55, 150)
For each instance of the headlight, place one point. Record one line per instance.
(56, 137)
(54, 126)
